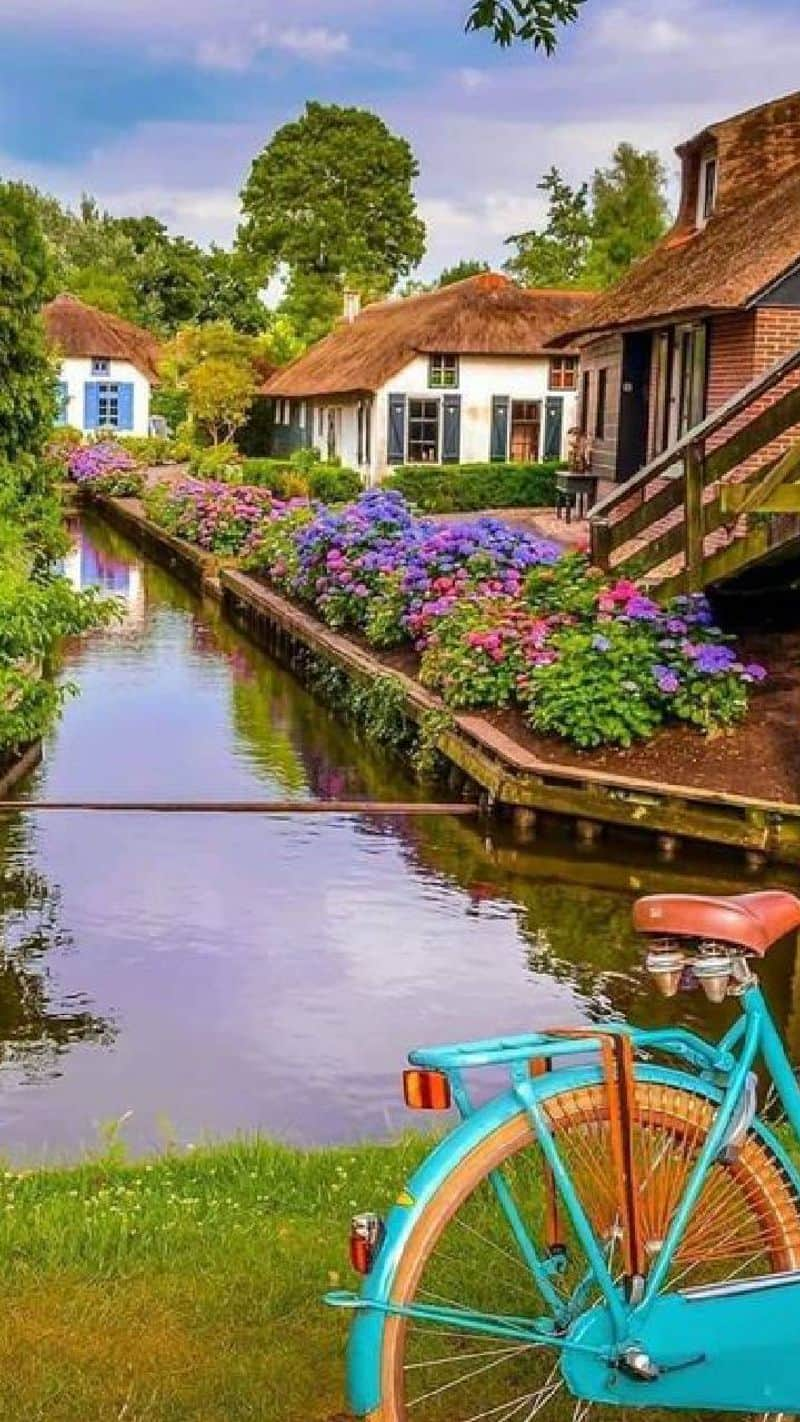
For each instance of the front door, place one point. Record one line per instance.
(526, 431)
(634, 403)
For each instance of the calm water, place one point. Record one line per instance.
(206, 975)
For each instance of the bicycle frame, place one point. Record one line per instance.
(721, 1074)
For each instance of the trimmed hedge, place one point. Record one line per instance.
(328, 482)
(465, 488)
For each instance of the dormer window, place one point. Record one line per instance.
(707, 194)
(101, 365)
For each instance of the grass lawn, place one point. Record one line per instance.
(183, 1287)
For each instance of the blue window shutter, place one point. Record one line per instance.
(125, 405)
(498, 449)
(451, 429)
(91, 405)
(62, 397)
(396, 444)
(553, 426)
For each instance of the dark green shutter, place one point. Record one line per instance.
(396, 442)
(553, 426)
(451, 429)
(499, 440)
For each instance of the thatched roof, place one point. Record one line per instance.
(749, 243)
(75, 329)
(484, 315)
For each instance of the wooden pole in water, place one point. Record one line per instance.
(243, 807)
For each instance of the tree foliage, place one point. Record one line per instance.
(535, 22)
(594, 232)
(330, 203)
(467, 267)
(221, 392)
(135, 267)
(27, 382)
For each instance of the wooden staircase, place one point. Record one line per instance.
(722, 499)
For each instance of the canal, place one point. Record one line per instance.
(184, 978)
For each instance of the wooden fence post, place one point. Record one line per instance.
(694, 519)
(600, 533)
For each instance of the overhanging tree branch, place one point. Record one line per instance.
(535, 22)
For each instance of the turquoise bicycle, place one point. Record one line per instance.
(619, 1230)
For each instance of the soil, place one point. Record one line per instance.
(759, 759)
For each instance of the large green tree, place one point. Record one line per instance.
(535, 22)
(556, 255)
(595, 231)
(27, 384)
(629, 212)
(330, 201)
(136, 268)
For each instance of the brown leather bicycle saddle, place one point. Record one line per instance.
(751, 921)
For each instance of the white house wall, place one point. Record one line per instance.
(480, 378)
(76, 371)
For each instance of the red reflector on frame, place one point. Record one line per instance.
(426, 1090)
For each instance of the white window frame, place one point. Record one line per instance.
(426, 399)
(101, 365)
(708, 160)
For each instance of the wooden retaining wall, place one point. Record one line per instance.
(510, 778)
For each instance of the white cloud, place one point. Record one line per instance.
(633, 33)
(472, 79)
(315, 42)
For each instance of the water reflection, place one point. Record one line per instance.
(271, 973)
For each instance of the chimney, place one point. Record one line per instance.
(352, 305)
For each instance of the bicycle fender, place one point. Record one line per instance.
(365, 1345)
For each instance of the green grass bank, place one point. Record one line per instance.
(186, 1286)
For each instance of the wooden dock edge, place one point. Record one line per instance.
(511, 778)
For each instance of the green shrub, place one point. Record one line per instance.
(61, 442)
(465, 488)
(571, 585)
(280, 476)
(153, 450)
(332, 485)
(219, 461)
(601, 690)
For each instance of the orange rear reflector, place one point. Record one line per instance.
(426, 1090)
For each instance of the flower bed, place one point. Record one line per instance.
(220, 518)
(496, 617)
(106, 468)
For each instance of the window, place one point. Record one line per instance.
(564, 373)
(585, 393)
(600, 412)
(63, 402)
(662, 391)
(692, 377)
(108, 406)
(707, 195)
(364, 432)
(101, 365)
(443, 372)
(321, 421)
(526, 429)
(423, 431)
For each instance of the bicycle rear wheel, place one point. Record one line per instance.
(462, 1252)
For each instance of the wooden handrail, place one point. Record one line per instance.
(709, 426)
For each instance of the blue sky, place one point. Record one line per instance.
(160, 105)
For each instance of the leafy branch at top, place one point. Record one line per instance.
(535, 22)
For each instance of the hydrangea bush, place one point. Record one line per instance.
(221, 518)
(499, 617)
(105, 468)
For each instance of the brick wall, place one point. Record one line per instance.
(605, 354)
(774, 332)
(732, 356)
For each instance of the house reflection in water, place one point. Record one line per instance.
(87, 566)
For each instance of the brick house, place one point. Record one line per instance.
(715, 304)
